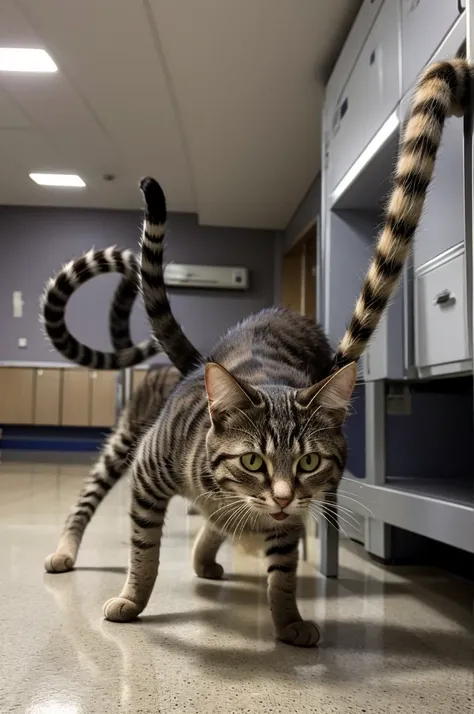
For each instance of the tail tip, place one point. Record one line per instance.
(154, 196)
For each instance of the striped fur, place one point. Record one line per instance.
(271, 392)
(114, 461)
(60, 289)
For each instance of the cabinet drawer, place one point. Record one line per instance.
(371, 94)
(424, 25)
(441, 329)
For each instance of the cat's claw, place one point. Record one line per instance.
(300, 634)
(58, 563)
(119, 609)
(209, 571)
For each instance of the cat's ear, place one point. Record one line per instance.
(333, 393)
(225, 393)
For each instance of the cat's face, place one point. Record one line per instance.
(277, 449)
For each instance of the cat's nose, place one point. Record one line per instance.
(283, 502)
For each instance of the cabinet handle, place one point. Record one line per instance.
(444, 298)
(461, 6)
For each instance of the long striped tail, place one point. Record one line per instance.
(60, 289)
(163, 323)
(442, 90)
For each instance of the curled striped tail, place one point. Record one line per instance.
(163, 323)
(442, 90)
(60, 289)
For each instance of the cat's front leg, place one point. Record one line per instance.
(150, 498)
(206, 545)
(281, 551)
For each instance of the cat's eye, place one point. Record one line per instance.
(309, 462)
(252, 462)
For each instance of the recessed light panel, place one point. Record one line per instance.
(17, 59)
(67, 180)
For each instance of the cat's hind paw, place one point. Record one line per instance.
(119, 609)
(300, 634)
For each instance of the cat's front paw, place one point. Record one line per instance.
(210, 571)
(58, 563)
(303, 633)
(119, 609)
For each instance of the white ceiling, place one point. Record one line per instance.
(218, 99)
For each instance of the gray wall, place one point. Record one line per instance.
(35, 242)
(308, 209)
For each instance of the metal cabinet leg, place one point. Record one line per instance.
(329, 540)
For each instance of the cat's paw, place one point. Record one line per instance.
(119, 609)
(58, 563)
(300, 634)
(210, 571)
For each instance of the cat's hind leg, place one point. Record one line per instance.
(206, 545)
(110, 467)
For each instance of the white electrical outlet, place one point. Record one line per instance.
(22, 342)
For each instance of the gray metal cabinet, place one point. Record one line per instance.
(424, 25)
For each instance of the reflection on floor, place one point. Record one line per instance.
(395, 641)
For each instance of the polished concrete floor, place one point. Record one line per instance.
(393, 642)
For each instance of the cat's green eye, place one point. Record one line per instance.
(252, 462)
(309, 462)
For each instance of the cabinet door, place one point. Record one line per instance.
(442, 221)
(424, 25)
(47, 396)
(371, 94)
(103, 398)
(16, 395)
(76, 400)
(138, 375)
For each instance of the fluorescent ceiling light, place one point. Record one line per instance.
(383, 134)
(70, 180)
(17, 59)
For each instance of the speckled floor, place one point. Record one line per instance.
(394, 642)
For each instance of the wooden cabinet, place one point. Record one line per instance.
(103, 398)
(16, 395)
(138, 375)
(47, 401)
(76, 400)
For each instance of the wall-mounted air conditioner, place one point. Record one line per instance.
(206, 276)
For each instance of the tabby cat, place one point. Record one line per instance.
(254, 433)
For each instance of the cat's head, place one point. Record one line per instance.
(277, 448)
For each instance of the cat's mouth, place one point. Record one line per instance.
(279, 516)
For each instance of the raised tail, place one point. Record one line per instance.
(163, 323)
(60, 289)
(442, 90)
